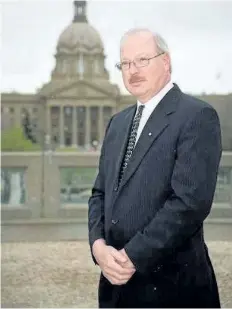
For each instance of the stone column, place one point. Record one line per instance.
(74, 127)
(87, 127)
(48, 121)
(61, 126)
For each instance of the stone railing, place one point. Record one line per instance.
(55, 187)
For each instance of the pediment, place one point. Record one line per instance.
(81, 89)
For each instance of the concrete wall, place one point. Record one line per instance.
(43, 216)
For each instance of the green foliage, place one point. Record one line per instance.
(13, 139)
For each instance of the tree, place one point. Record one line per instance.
(29, 129)
(13, 139)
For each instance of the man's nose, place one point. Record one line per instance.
(133, 69)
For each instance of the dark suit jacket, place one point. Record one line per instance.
(157, 212)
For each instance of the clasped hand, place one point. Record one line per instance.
(115, 265)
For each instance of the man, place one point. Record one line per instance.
(157, 176)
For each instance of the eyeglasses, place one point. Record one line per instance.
(138, 62)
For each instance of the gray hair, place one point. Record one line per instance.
(160, 42)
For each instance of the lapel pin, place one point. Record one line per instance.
(150, 134)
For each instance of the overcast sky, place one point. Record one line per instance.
(199, 34)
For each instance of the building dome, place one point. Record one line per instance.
(79, 33)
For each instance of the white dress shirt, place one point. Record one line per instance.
(150, 106)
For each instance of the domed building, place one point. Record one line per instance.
(80, 98)
(73, 108)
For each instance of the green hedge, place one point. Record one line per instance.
(14, 140)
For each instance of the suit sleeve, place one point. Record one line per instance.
(193, 185)
(96, 202)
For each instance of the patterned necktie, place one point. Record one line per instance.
(131, 141)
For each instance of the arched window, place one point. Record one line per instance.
(80, 65)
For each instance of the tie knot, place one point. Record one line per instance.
(141, 107)
(140, 110)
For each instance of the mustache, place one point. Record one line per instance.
(136, 78)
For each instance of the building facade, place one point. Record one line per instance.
(73, 108)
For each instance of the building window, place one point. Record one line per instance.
(35, 110)
(13, 186)
(55, 124)
(11, 110)
(76, 184)
(94, 117)
(223, 187)
(81, 123)
(68, 112)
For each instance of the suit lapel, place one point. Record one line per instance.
(155, 125)
(153, 128)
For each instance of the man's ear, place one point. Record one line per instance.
(167, 62)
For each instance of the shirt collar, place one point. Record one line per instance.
(153, 102)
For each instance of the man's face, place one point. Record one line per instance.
(143, 82)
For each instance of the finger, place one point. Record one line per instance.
(114, 280)
(124, 252)
(115, 267)
(118, 282)
(118, 276)
(127, 264)
(118, 255)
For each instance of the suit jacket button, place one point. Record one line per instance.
(114, 221)
(115, 188)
